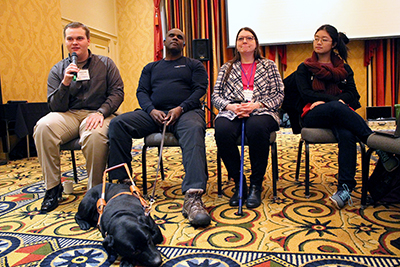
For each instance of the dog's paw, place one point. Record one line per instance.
(84, 225)
(125, 263)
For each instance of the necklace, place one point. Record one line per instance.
(246, 71)
(245, 74)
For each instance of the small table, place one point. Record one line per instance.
(19, 118)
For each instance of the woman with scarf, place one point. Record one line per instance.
(248, 87)
(327, 88)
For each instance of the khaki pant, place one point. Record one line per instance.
(57, 128)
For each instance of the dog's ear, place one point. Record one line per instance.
(108, 244)
(153, 228)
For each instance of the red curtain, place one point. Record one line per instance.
(158, 43)
(281, 53)
(380, 75)
(369, 50)
(196, 18)
(383, 55)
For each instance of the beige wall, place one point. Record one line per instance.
(135, 43)
(31, 39)
(131, 22)
(30, 45)
(98, 14)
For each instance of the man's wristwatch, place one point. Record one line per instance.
(182, 109)
(100, 113)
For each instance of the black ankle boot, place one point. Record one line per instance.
(50, 201)
(234, 201)
(254, 198)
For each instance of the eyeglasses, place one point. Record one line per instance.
(248, 38)
(323, 40)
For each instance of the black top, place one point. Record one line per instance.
(166, 84)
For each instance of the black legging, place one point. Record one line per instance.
(346, 125)
(257, 130)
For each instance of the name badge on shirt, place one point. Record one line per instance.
(248, 95)
(83, 75)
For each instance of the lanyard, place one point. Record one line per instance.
(251, 74)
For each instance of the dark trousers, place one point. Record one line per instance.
(189, 129)
(348, 127)
(257, 130)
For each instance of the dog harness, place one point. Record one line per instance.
(134, 190)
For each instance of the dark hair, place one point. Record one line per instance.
(78, 25)
(338, 38)
(236, 54)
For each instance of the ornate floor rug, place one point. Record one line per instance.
(289, 231)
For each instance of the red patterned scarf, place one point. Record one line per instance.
(326, 77)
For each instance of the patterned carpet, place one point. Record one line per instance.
(291, 231)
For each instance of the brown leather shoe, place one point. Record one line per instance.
(193, 209)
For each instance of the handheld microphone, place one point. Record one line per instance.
(74, 58)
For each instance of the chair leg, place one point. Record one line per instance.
(8, 143)
(74, 166)
(219, 175)
(28, 151)
(299, 159)
(275, 174)
(365, 176)
(144, 170)
(307, 178)
(307, 167)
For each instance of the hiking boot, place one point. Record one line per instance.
(193, 209)
(390, 162)
(340, 198)
(234, 201)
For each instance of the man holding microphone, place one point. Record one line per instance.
(82, 98)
